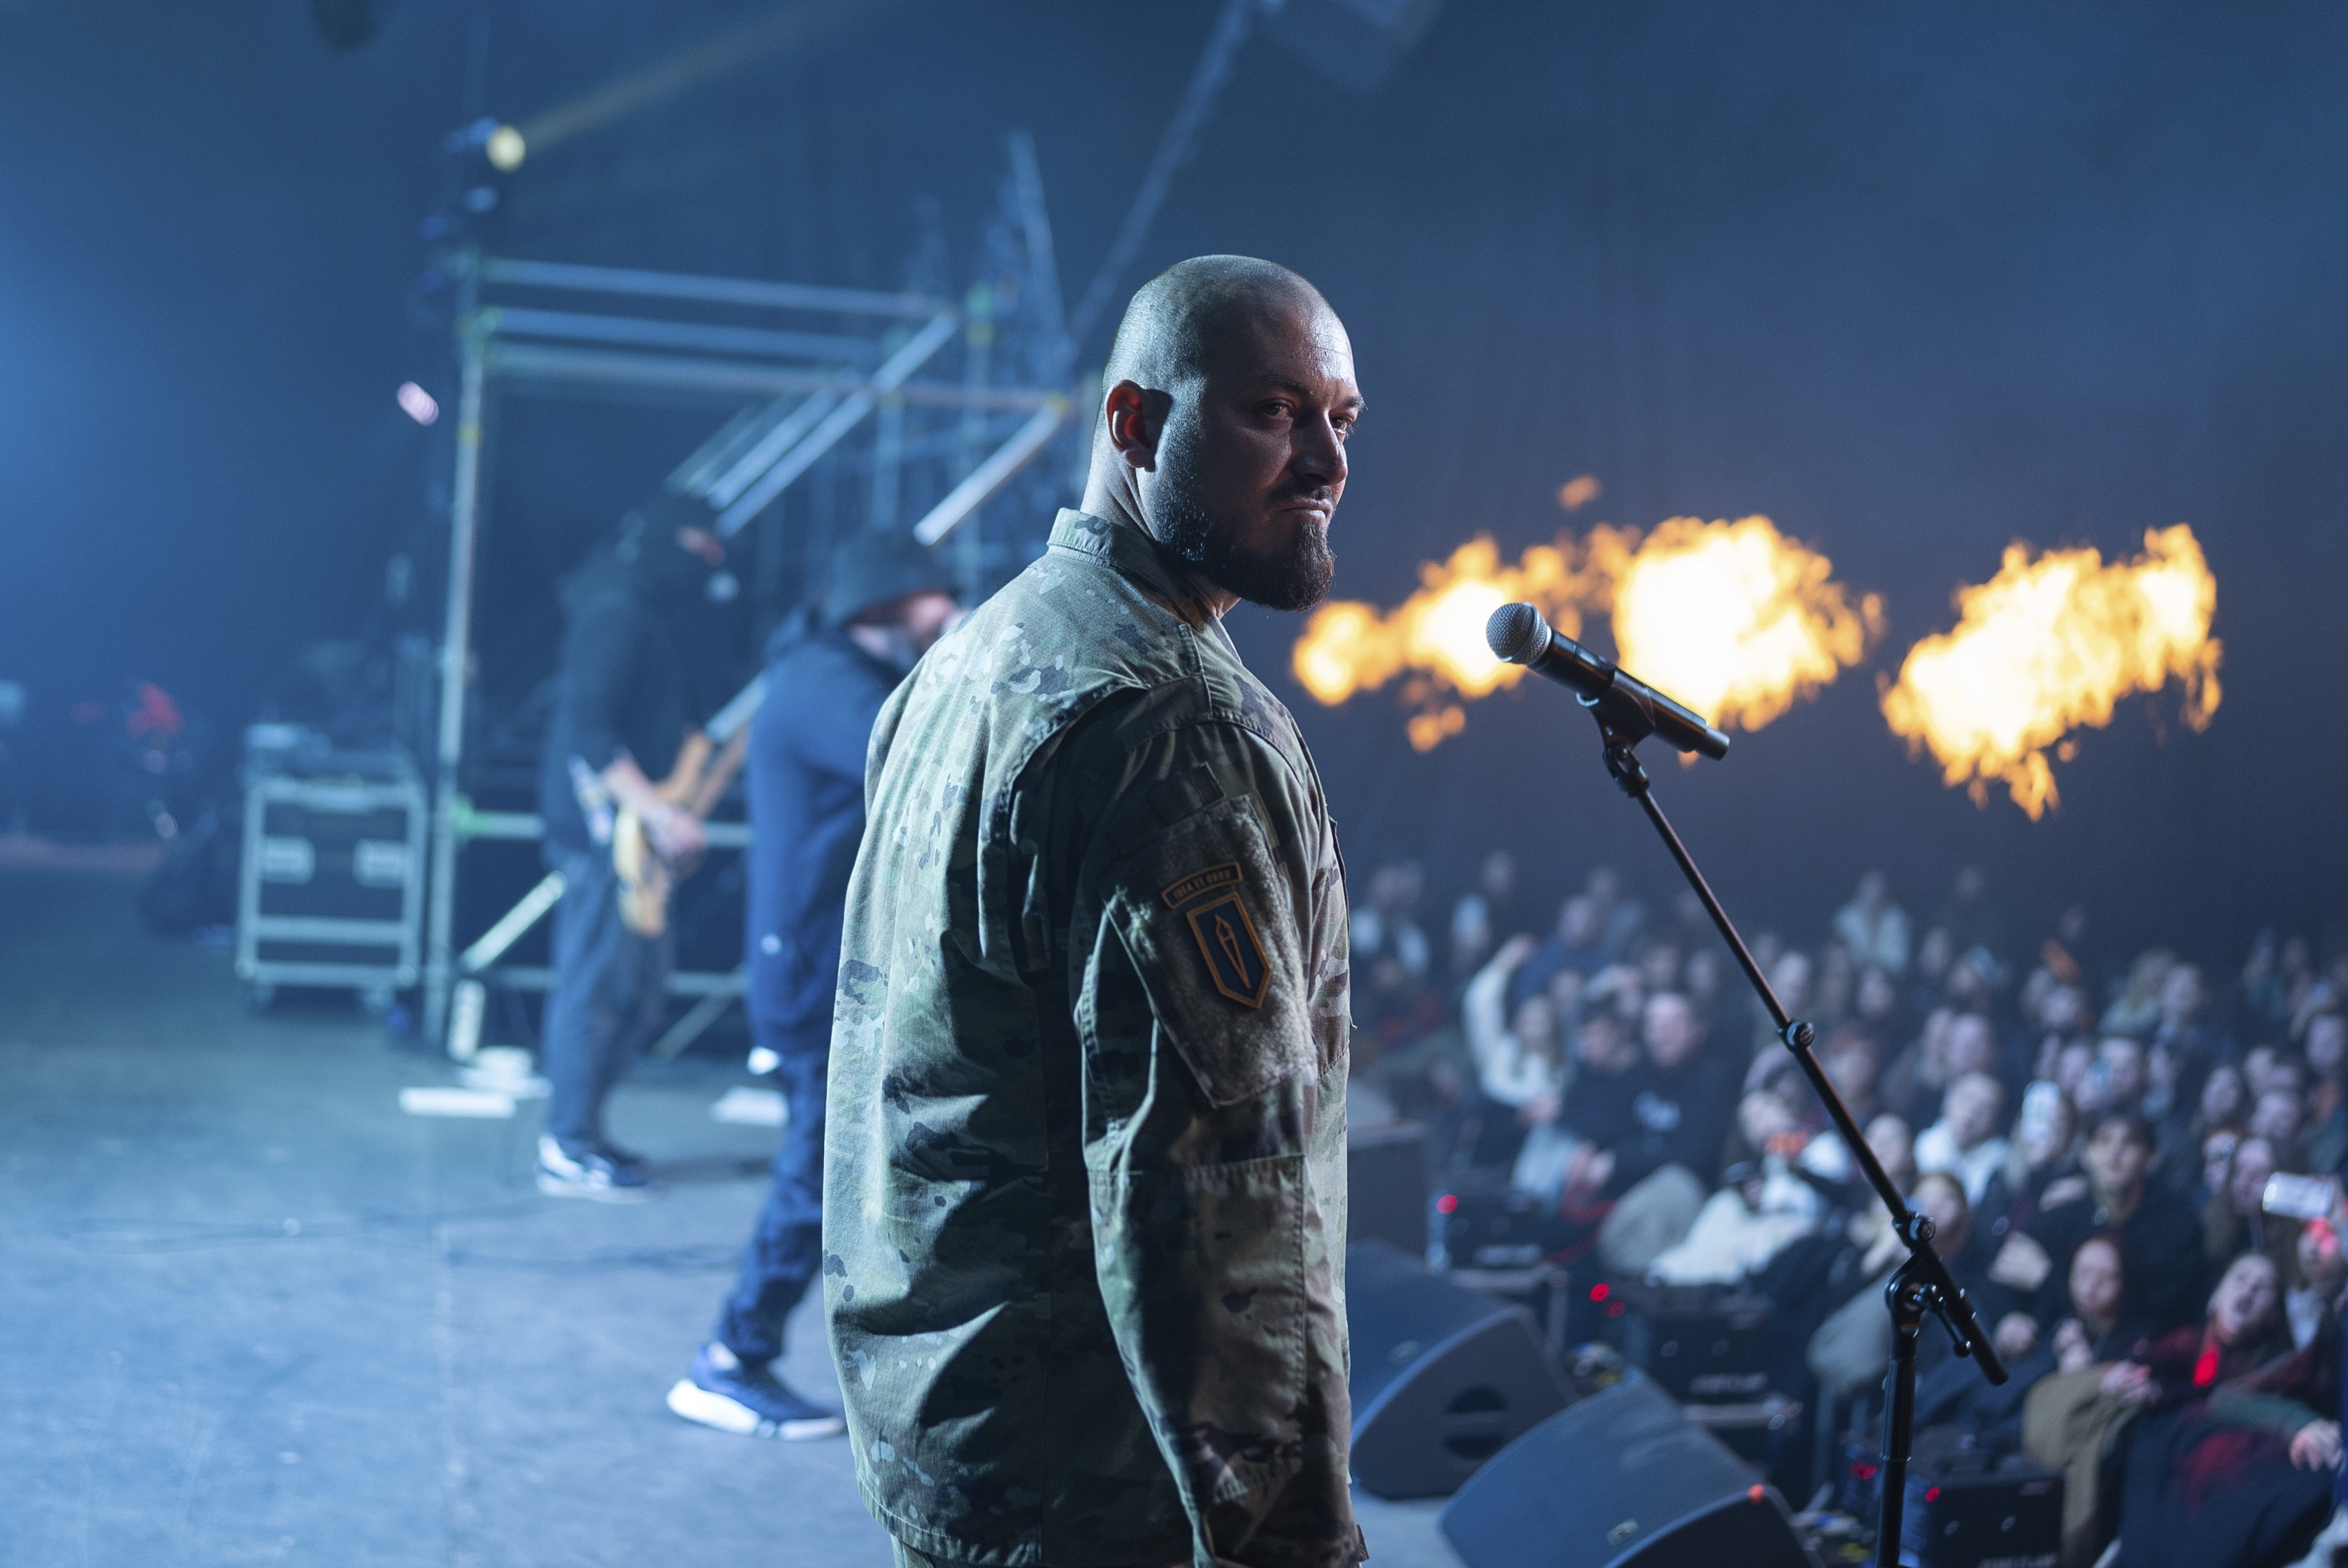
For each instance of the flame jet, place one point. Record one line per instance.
(1732, 618)
(1437, 634)
(1735, 620)
(2048, 646)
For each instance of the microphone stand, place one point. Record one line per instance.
(1921, 1286)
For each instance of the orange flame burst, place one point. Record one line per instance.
(1438, 632)
(1733, 618)
(2051, 645)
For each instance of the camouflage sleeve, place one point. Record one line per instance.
(1207, 970)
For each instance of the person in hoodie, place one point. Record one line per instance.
(828, 675)
(623, 706)
(1659, 1132)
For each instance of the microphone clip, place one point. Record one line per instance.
(1622, 762)
(1619, 710)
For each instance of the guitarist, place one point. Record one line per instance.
(886, 602)
(622, 714)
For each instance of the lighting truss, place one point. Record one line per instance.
(811, 365)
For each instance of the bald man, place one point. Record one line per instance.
(1085, 1186)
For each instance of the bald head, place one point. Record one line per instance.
(1179, 321)
(1225, 407)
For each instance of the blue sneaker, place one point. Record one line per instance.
(750, 1401)
(590, 1174)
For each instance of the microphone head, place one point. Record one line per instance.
(1517, 632)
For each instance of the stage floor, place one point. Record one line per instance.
(255, 1313)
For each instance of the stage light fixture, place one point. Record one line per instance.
(417, 403)
(506, 150)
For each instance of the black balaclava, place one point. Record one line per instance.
(661, 568)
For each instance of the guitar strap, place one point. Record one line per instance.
(596, 802)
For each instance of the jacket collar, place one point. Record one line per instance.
(1132, 554)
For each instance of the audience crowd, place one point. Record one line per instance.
(2132, 1172)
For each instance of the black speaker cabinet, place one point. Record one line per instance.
(1620, 1481)
(1703, 1344)
(1386, 1184)
(2008, 1513)
(1444, 1377)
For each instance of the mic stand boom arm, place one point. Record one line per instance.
(1919, 1287)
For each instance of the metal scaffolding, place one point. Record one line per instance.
(812, 367)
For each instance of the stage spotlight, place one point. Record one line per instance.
(417, 403)
(506, 150)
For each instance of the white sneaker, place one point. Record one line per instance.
(594, 1176)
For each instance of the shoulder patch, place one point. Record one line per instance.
(1209, 899)
(1199, 883)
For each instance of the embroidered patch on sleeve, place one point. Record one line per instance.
(1198, 883)
(1210, 901)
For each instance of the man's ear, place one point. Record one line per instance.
(1136, 416)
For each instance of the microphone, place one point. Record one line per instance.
(1521, 635)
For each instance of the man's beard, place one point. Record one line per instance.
(1293, 576)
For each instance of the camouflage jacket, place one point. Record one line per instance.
(1084, 1179)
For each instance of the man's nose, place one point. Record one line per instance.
(1319, 453)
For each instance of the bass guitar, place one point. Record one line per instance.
(705, 765)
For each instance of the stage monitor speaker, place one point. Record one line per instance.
(1620, 1481)
(1444, 1377)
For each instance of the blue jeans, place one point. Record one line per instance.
(610, 993)
(787, 1248)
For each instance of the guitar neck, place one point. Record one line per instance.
(705, 796)
(734, 716)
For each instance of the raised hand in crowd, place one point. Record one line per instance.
(2316, 1446)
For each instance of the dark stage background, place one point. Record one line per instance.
(1913, 282)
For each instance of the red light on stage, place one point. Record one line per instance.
(1753, 1493)
(1598, 1292)
(1613, 1309)
(1862, 1470)
(1447, 1203)
(1931, 1494)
